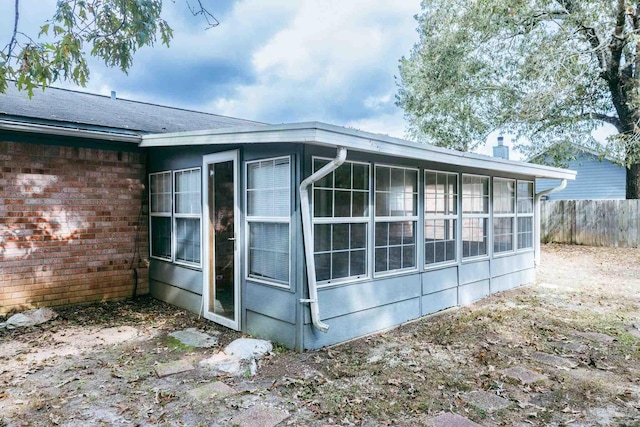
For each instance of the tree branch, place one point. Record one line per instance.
(615, 121)
(14, 41)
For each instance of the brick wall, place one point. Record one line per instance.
(69, 221)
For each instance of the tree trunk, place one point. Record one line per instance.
(633, 181)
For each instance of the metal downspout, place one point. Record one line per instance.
(537, 230)
(307, 236)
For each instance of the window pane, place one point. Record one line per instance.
(475, 194)
(339, 264)
(440, 193)
(188, 240)
(360, 204)
(474, 237)
(502, 234)
(269, 251)
(525, 197)
(343, 176)
(268, 188)
(382, 233)
(325, 182)
(395, 246)
(342, 203)
(525, 233)
(349, 197)
(323, 267)
(161, 237)
(160, 192)
(358, 236)
(340, 236)
(503, 196)
(358, 265)
(360, 177)
(187, 191)
(396, 191)
(323, 203)
(383, 179)
(322, 237)
(440, 240)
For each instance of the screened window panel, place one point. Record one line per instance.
(503, 196)
(187, 192)
(525, 197)
(396, 192)
(269, 188)
(474, 237)
(440, 241)
(395, 246)
(188, 240)
(161, 237)
(344, 193)
(525, 233)
(440, 193)
(475, 194)
(160, 189)
(503, 234)
(340, 250)
(269, 251)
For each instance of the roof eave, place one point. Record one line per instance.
(77, 132)
(322, 134)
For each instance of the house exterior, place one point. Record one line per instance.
(598, 178)
(311, 234)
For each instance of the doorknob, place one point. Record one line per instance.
(231, 238)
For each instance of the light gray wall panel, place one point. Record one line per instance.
(507, 264)
(439, 301)
(474, 271)
(175, 275)
(176, 296)
(362, 323)
(270, 301)
(341, 300)
(266, 327)
(438, 280)
(473, 292)
(512, 280)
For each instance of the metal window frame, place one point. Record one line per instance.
(511, 215)
(161, 215)
(431, 217)
(486, 216)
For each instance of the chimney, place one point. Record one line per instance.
(501, 150)
(113, 94)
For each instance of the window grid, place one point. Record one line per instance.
(524, 215)
(160, 215)
(475, 215)
(268, 201)
(187, 208)
(504, 214)
(341, 199)
(440, 217)
(396, 218)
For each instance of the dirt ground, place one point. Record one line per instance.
(94, 364)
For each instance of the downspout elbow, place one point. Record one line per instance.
(307, 235)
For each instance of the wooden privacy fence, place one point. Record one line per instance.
(591, 222)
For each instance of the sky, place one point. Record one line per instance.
(274, 61)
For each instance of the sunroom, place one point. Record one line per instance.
(311, 234)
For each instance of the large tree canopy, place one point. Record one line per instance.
(113, 30)
(549, 71)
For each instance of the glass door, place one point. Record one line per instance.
(221, 279)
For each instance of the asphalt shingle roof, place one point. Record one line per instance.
(69, 108)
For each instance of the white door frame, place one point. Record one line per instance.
(208, 262)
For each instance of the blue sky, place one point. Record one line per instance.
(275, 61)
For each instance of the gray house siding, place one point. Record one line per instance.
(596, 180)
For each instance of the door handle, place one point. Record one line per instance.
(231, 238)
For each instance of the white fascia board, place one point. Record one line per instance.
(323, 134)
(67, 131)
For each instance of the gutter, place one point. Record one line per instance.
(537, 230)
(64, 131)
(307, 235)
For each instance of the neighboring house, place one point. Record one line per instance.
(598, 178)
(307, 234)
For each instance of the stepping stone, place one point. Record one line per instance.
(525, 376)
(597, 337)
(451, 420)
(553, 360)
(570, 346)
(212, 391)
(194, 338)
(172, 368)
(486, 401)
(259, 416)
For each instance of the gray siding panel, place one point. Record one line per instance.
(473, 292)
(596, 180)
(507, 264)
(175, 275)
(438, 280)
(342, 300)
(266, 327)
(474, 271)
(362, 323)
(175, 296)
(512, 280)
(439, 301)
(270, 301)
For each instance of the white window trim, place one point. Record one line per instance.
(380, 219)
(430, 217)
(174, 228)
(512, 215)
(160, 215)
(248, 220)
(526, 215)
(486, 216)
(345, 220)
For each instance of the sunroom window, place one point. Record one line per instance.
(396, 216)
(160, 214)
(175, 200)
(475, 215)
(525, 214)
(440, 217)
(340, 218)
(268, 217)
(187, 215)
(504, 214)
